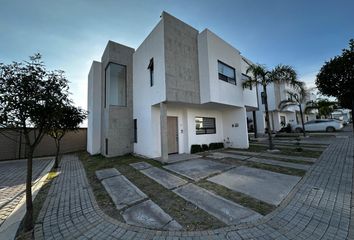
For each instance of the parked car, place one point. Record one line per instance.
(320, 125)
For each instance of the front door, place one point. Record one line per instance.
(172, 135)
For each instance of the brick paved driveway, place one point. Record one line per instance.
(318, 208)
(13, 183)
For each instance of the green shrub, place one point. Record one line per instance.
(205, 147)
(216, 145)
(195, 148)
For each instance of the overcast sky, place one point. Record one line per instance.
(70, 34)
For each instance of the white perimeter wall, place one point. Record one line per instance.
(94, 109)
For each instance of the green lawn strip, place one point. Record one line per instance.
(37, 206)
(269, 167)
(284, 151)
(187, 214)
(285, 160)
(237, 197)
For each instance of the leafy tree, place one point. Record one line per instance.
(296, 98)
(323, 105)
(336, 77)
(263, 77)
(29, 95)
(67, 118)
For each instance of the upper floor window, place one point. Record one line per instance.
(245, 77)
(205, 125)
(116, 84)
(151, 70)
(226, 73)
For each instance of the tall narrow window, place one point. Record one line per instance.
(116, 84)
(135, 131)
(226, 73)
(151, 71)
(245, 77)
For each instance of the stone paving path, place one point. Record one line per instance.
(270, 187)
(221, 208)
(13, 183)
(318, 207)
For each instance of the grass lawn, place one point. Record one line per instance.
(37, 206)
(285, 151)
(187, 214)
(237, 197)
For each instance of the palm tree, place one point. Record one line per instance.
(296, 98)
(263, 77)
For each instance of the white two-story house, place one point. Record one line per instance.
(279, 117)
(178, 88)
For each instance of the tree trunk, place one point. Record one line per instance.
(28, 224)
(353, 112)
(302, 121)
(56, 164)
(270, 137)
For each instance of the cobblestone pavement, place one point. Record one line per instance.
(318, 207)
(13, 183)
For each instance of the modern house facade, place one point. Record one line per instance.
(178, 88)
(279, 118)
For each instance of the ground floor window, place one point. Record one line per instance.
(205, 125)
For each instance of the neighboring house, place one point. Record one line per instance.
(278, 118)
(342, 114)
(179, 87)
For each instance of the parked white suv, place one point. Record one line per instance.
(320, 125)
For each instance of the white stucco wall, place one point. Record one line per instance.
(94, 109)
(211, 48)
(144, 96)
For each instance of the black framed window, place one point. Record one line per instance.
(245, 78)
(135, 131)
(205, 125)
(226, 73)
(151, 71)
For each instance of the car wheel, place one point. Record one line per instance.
(330, 129)
(298, 130)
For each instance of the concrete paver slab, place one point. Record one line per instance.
(107, 173)
(198, 168)
(122, 191)
(280, 163)
(173, 158)
(150, 215)
(221, 155)
(164, 178)
(272, 155)
(140, 165)
(223, 209)
(264, 185)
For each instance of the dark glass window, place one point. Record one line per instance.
(151, 71)
(226, 73)
(116, 86)
(205, 125)
(135, 131)
(263, 97)
(245, 77)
